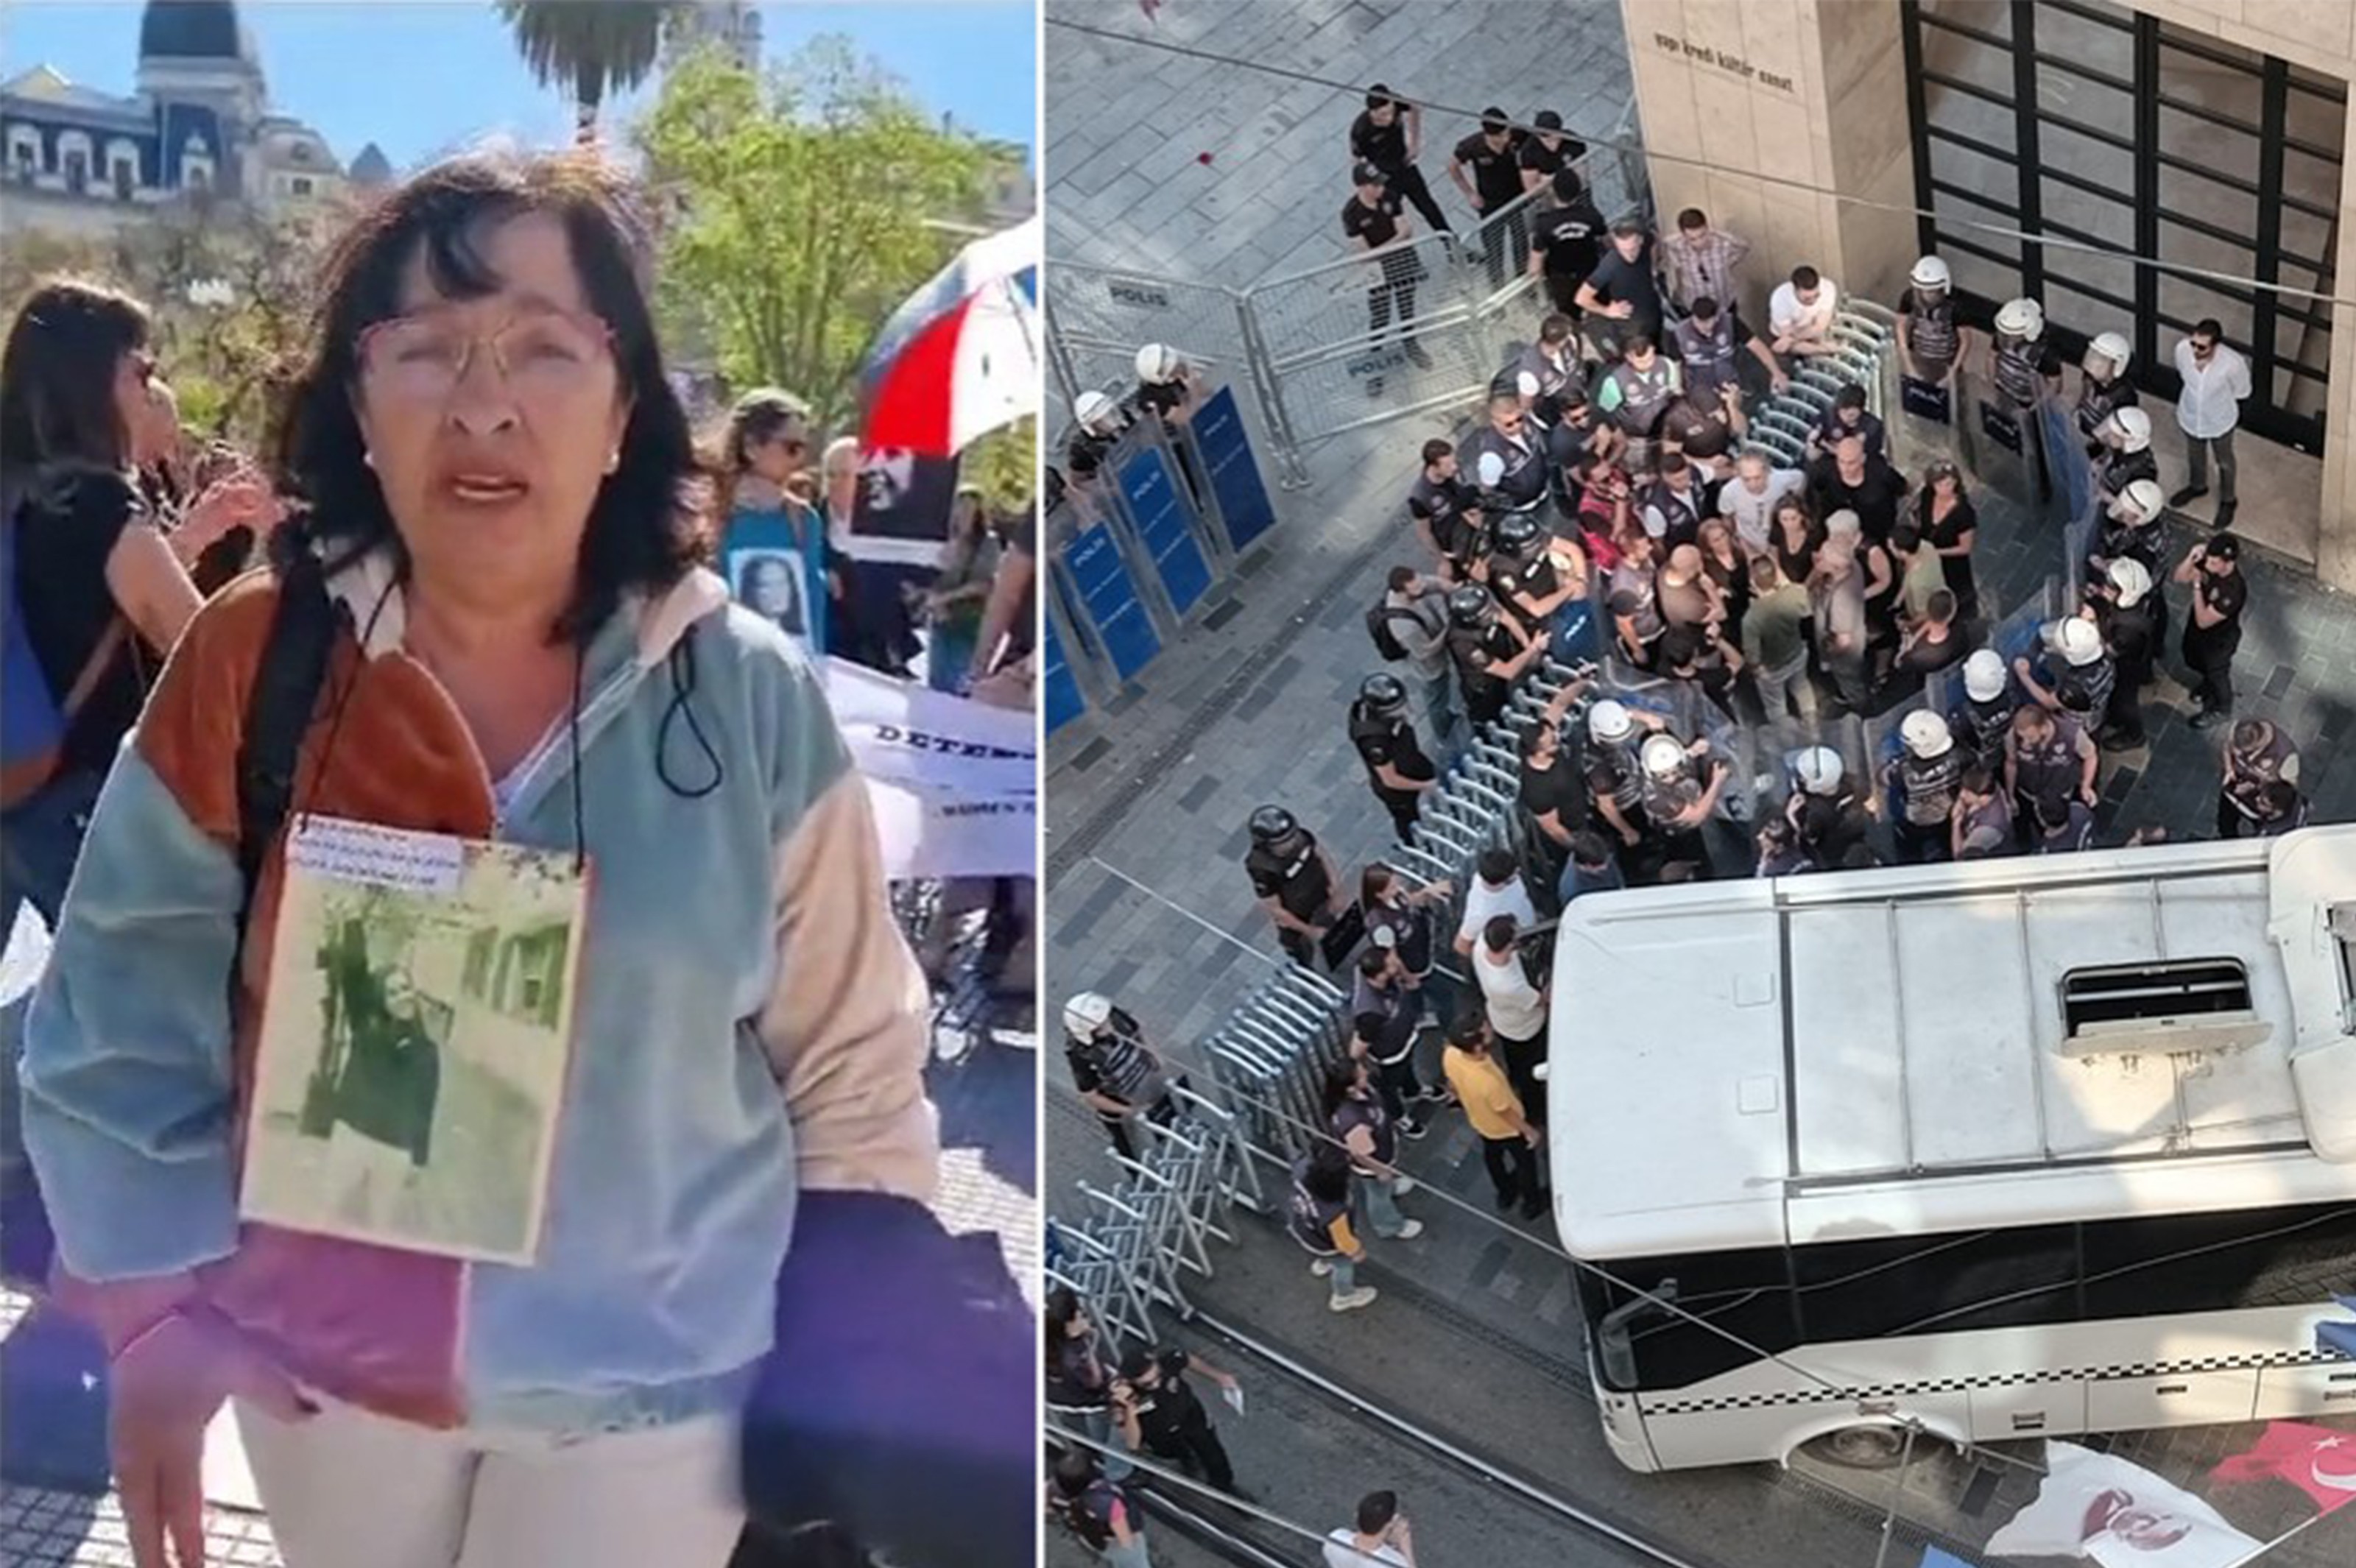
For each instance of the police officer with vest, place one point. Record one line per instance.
(1115, 1070)
(1513, 479)
(1706, 341)
(1637, 392)
(1982, 720)
(1491, 651)
(1294, 879)
(2082, 684)
(1615, 777)
(1524, 577)
(1548, 368)
(1447, 512)
(2023, 371)
(1926, 776)
(2125, 438)
(1397, 769)
(2258, 753)
(1930, 339)
(1679, 787)
(1101, 424)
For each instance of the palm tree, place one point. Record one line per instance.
(592, 48)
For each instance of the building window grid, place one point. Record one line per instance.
(2267, 308)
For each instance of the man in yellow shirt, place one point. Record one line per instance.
(1509, 1144)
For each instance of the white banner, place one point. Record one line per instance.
(2119, 1515)
(910, 735)
(955, 782)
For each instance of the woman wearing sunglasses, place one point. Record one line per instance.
(505, 524)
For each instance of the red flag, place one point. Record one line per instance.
(2317, 1460)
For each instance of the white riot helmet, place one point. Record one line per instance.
(2110, 347)
(1662, 755)
(2021, 318)
(1095, 411)
(1607, 722)
(1930, 273)
(1087, 1015)
(2131, 427)
(2130, 579)
(1984, 675)
(2141, 501)
(2079, 642)
(1926, 734)
(1820, 771)
(1157, 363)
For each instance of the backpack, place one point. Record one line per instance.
(35, 718)
(1378, 628)
(278, 708)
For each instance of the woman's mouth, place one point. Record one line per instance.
(484, 489)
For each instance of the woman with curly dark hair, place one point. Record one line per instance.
(521, 648)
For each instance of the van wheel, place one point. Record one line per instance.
(1869, 1446)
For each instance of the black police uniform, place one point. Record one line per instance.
(1297, 881)
(1389, 738)
(1570, 237)
(1394, 296)
(1385, 146)
(1446, 507)
(1534, 575)
(1524, 483)
(1478, 650)
(1174, 1424)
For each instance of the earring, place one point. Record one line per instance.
(613, 460)
(368, 457)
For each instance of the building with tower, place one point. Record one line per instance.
(733, 25)
(81, 160)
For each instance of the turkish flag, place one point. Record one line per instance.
(2317, 1460)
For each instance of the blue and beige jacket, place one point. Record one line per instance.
(749, 1023)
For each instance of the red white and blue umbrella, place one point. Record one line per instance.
(960, 357)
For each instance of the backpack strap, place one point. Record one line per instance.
(278, 710)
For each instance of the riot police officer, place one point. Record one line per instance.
(1491, 652)
(1615, 777)
(2121, 602)
(1679, 787)
(1523, 575)
(2126, 441)
(1294, 879)
(1115, 1070)
(1926, 776)
(2082, 682)
(1826, 812)
(1984, 717)
(1397, 769)
(2103, 386)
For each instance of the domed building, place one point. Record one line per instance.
(82, 160)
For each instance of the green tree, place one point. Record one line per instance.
(798, 213)
(1004, 463)
(592, 49)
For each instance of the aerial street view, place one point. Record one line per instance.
(1701, 879)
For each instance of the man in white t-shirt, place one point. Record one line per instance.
(1749, 500)
(1800, 313)
(1517, 1009)
(2209, 410)
(1382, 1538)
(1496, 890)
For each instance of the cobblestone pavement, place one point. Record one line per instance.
(989, 1183)
(1250, 707)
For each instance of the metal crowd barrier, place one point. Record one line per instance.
(1271, 1053)
(1144, 1235)
(1868, 336)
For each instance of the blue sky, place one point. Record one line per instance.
(418, 77)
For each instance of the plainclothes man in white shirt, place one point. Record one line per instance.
(1749, 502)
(1382, 1539)
(1800, 313)
(1518, 1009)
(2216, 380)
(1496, 890)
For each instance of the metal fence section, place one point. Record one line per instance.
(1097, 318)
(1271, 1053)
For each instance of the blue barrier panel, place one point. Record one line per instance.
(1226, 446)
(1161, 515)
(1064, 700)
(1110, 599)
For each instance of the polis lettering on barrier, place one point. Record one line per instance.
(1123, 292)
(1725, 61)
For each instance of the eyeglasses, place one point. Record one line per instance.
(542, 356)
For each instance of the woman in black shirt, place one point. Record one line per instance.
(100, 591)
(1950, 525)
